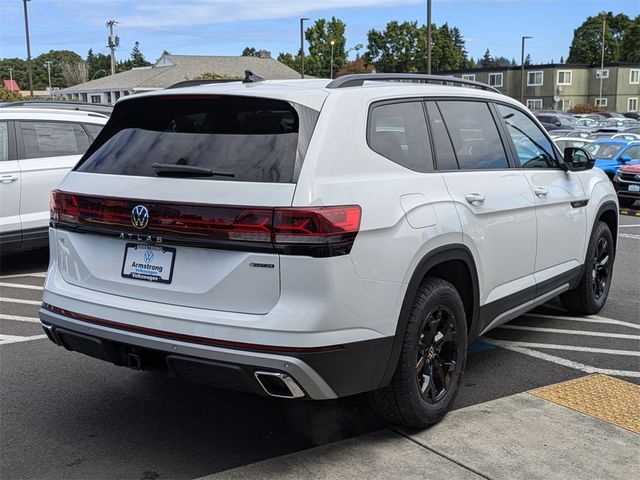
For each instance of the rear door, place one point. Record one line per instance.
(494, 201)
(49, 149)
(10, 180)
(559, 197)
(173, 202)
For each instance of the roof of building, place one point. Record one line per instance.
(11, 85)
(170, 69)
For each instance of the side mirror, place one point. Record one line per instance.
(577, 159)
(626, 158)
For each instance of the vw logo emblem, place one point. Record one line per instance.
(140, 217)
(637, 177)
(148, 256)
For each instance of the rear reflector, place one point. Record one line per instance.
(314, 231)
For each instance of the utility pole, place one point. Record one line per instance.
(29, 66)
(11, 75)
(604, 24)
(114, 41)
(522, 71)
(302, 46)
(48, 65)
(429, 37)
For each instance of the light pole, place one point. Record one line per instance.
(332, 42)
(26, 29)
(11, 75)
(302, 46)
(522, 71)
(604, 24)
(429, 36)
(48, 65)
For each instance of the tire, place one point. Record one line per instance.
(591, 293)
(432, 360)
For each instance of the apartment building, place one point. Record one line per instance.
(563, 86)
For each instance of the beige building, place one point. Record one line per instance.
(563, 86)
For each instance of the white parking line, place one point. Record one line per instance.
(18, 318)
(571, 332)
(560, 361)
(19, 300)
(8, 339)
(629, 226)
(21, 275)
(20, 285)
(590, 319)
(571, 348)
(629, 235)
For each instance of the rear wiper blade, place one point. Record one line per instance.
(173, 170)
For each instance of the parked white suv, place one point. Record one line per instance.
(320, 239)
(38, 146)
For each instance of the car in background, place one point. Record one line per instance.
(564, 142)
(630, 130)
(37, 149)
(634, 115)
(627, 185)
(579, 133)
(611, 154)
(561, 120)
(82, 107)
(619, 123)
(626, 136)
(587, 122)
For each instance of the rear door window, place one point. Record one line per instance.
(398, 131)
(53, 139)
(235, 138)
(445, 157)
(474, 135)
(4, 141)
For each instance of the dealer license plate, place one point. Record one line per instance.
(634, 188)
(148, 262)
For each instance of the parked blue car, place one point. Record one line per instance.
(611, 154)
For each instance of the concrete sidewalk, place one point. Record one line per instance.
(522, 436)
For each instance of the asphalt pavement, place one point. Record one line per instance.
(65, 415)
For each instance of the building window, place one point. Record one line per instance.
(495, 79)
(565, 104)
(602, 74)
(632, 104)
(564, 77)
(601, 102)
(634, 75)
(535, 79)
(472, 76)
(95, 98)
(116, 96)
(534, 104)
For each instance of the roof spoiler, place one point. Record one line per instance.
(359, 79)
(195, 83)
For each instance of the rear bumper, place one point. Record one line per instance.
(354, 368)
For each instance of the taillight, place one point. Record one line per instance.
(314, 231)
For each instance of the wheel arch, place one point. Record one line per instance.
(608, 213)
(453, 263)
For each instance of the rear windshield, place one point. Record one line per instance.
(228, 137)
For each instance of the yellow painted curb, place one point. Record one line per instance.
(631, 213)
(600, 396)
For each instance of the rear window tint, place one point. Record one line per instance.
(252, 139)
(398, 131)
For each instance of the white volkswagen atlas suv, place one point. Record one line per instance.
(318, 239)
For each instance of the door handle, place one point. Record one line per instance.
(475, 198)
(8, 178)
(541, 192)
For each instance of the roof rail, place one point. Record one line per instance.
(359, 79)
(195, 83)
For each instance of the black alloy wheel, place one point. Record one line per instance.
(601, 267)
(437, 354)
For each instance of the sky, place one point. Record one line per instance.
(225, 27)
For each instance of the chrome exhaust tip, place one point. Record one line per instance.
(48, 331)
(278, 384)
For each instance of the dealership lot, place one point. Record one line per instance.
(67, 415)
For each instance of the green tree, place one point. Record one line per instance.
(249, 52)
(58, 59)
(629, 50)
(98, 64)
(355, 66)
(18, 72)
(400, 47)
(137, 58)
(486, 61)
(587, 39)
(320, 36)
